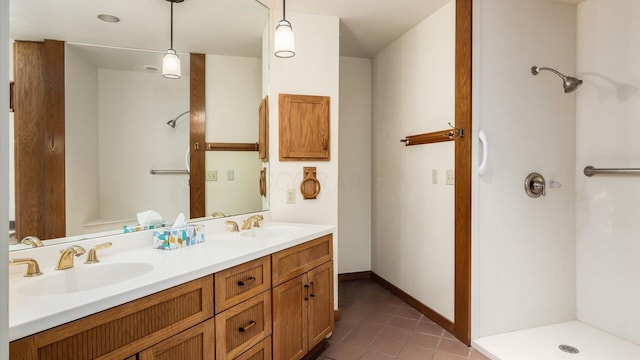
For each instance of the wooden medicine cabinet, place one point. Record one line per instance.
(304, 127)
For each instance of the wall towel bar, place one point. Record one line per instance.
(590, 171)
(169, 172)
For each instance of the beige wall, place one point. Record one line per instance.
(134, 138)
(313, 71)
(234, 92)
(81, 142)
(412, 218)
(354, 168)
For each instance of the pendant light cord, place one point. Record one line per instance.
(171, 25)
(284, 5)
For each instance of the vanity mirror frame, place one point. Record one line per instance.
(197, 146)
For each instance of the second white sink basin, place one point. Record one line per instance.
(83, 278)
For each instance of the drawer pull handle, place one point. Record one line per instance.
(312, 292)
(306, 289)
(245, 282)
(247, 327)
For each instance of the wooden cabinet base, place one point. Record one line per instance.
(196, 343)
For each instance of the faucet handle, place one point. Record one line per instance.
(33, 241)
(92, 258)
(234, 225)
(77, 250)
(32, 266)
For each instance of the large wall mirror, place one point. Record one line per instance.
(123, 142)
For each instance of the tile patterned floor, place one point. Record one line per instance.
(376, 325)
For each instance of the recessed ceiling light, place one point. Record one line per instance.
(151, 68)
(108, 18)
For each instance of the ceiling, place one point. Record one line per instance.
(205, 26)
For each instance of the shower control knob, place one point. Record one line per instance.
(534, 185)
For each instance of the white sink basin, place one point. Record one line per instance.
(271, 231)
(83, 278)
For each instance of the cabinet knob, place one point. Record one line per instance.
(325, 143)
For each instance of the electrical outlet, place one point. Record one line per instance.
(451, 177)
(230, 175)
(212, 175)
(291, 196)
(434, 176)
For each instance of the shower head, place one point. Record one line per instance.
(173, 121)
(570, 84)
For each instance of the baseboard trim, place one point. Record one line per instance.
(337, 314)
(424, 309)
(360, 275)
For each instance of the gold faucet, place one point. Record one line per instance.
(92, 258)
(234, 225)
(33, 241)
(66, 259)
(32, 266)
(252, 221)
(218, 214)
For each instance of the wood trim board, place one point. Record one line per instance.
(197, 136)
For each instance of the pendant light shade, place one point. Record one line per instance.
(171, 65)
(171, 62)
(284, 44)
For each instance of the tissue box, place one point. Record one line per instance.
(170, 239)
(134, 228)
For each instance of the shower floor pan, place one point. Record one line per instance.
(543, 342)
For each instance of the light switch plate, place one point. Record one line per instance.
(451, 177)
(212, 175)
(434, 176)
(291, 196)
(230, 175)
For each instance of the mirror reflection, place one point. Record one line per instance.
(121, 119)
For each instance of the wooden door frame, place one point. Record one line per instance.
(463, 151)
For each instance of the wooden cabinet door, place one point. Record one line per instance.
(304, 127)
(290, 319)
(320, 303)
(196, 343)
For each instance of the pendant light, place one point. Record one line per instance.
(284, 43)
(171, 61)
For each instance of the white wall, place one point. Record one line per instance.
(4, 179)
(354, 169)
(81, 141)
(134, 138)
(234, 92)
(413, 219)
(524, 248)
(607, 211)
(313, 71)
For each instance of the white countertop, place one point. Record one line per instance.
(31, 314)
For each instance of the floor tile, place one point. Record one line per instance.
(377, 325)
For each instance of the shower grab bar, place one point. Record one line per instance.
(590, 171)
(169, 172)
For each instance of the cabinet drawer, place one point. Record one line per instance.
(124, 330)
(261, 351)
(243, 326)
(234, 285)
(289, 263)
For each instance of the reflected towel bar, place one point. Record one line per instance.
(169, 172)
(590, 171)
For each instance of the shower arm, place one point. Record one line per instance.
(179, 116)
(535, 70)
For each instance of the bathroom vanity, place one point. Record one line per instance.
(265, 293)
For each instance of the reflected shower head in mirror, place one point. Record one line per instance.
(173, 121)
(570, 84)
